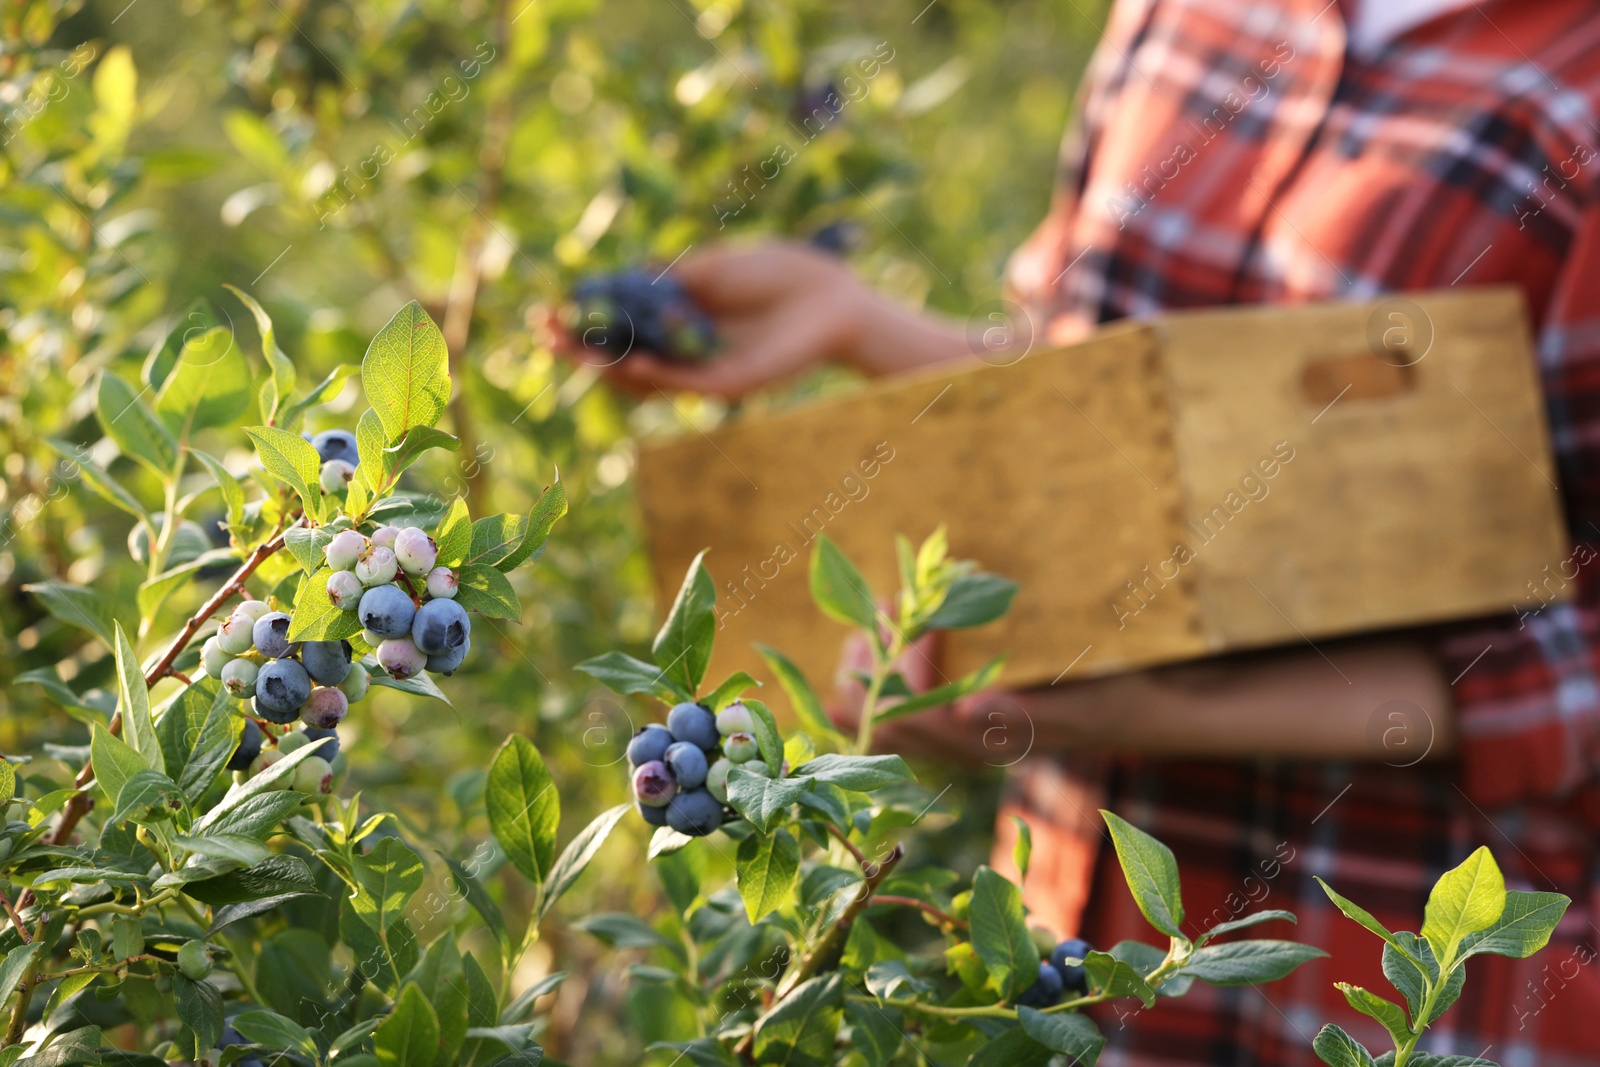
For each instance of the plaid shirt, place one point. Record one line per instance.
(1228, 152)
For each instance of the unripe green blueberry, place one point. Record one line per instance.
(253, 608)
(234, 634)
(239, 678)
(336, 476)
(293, 741)
(345, 549)
(401, 658)
(194, 960)
(443, 583)
(735, 719)
(1043, 940)
(268, 757)
(415, 551)
(344, 590)
(372, 637)
(756, 766)
(740, 748)
(356, 683)
(377, 567)
(385, 535)
(717, 779)
(213, 656)
(314, 776)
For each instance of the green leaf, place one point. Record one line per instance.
(209, 385)
(371, 445)
(1011, 1048)
(409, 1037)
(682, 647)
(1392, 1016)
(15, 965)
(1064, 1031)
(495, 535)
(767, 867)
(666, 841)
(551, 505)
(481, 902)
(839, 589)
(624, 674)
(315, 618)
(980, 679)
(291, 459)
(321, 393)
(406, 451)
(387, 877)
(8, 784)
(1151, 872)
(148, 796)
(1249, 962)
(113, 761)
(764, 801)
(524, 809)
(800, 1029)
(245, 850)
(280, 381)
(1245, 922)
(76, 605)
(862, 774)
(199, 1005)
(578, 854)
(807, 705)
(421, 684)
(155, 592)
(406, 372)
(729, 690)
(487, 591)
(138, 729)
(307, 544)
(1338, 1049)
(1522, 929)
(127, 938)
(245, 808)
(972, 600)
(1406, 970)
(163, 356)
(96, 477)
(876, 1033)
(621, 930)
(126, 419)
(1464, 901)
(453, 535)
(1117, 977)
(275, 1032)
(768, 740)
(231, 488)
(1000, 934)
(1022, 851)
(1359, 915)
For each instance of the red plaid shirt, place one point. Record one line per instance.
(1230, 152)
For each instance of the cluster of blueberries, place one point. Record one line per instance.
(406, 605)
(1058, 977)
(612, 314)
(680, 770)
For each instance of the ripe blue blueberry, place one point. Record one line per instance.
(695, 723)
(415, 551)
(344, 590)
(336, 476)
(440, 626)
(325, 708)
(695, 812)
(377, 566)
(653, 784)
(650, 742)
(387, 611)
(653, 816)
(717, 779)
(336, 444)
(271, 635)
(1073, 976)
(233, 636)
(326, 661)
(249, 747)
(282, 685)
(443, 583)
(239, 678)
(735, 719)
(326, 741)
(445, 663)
(740, 748)
(346, 547)
(356, 683)
(401, 658)
(687, 762)
(1045, 991)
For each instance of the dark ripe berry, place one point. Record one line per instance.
(694, 723)
(446, 663)
(615, 313)
(326, 742)
(271, 635)
(326, 661)
(1073, 976)
(653, 816)
(695, 812)
(440, 626)
(653, 784)
(336, 444)
(687, 762)
(649, 743)
(1045, 991)
(387, 611)
(249, 747)
(282, 685)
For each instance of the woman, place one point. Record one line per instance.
(1234, 152)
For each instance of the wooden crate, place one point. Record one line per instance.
(1330, 469)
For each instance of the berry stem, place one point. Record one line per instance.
(844, 839)
(912, 902)
(16, 920)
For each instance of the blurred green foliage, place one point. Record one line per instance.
(336, 159)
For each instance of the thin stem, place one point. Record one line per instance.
(844, 839)
(944, 917)
(16, 920)
(1429, 999)
(19, 1014)
(101, 968)
(129, 909)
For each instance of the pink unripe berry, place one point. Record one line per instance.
(415, 551)
(345, 549)
(344, 590)
(325, 708)
(442, 583)
(377, 567)
(385, 535)
(401, 658)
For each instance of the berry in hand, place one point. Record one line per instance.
(649, 742)
(440, 626)
(687, 762)
(326, 661)
(249, 747)
(386, 611)
(344, 590)
(695, 812)
(401, 658)
(239, 678)
(336, 444)
(613, 314)
(694, 723)
(443, 583)
(735, 719)
(344, 550)
(377, 566)
(415, 551)
(282, 685)
(271, 635)
(653, 784)
(325, 708)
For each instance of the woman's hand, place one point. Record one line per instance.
(780, 308)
